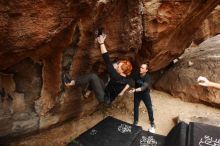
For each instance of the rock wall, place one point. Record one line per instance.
(42, 39)
(181, 79)
(209, 28)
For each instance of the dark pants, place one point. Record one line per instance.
(147, 101)
(95, 84)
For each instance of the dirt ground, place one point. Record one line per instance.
(166, 108)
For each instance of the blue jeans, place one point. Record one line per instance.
(147, 101)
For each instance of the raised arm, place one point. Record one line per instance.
(111, 70)
(101, 41)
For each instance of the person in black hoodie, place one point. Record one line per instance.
(141, 92)
(118, 77)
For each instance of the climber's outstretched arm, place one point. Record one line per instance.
(203, 81)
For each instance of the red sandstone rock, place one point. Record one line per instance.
(41, 39)
(181, 79)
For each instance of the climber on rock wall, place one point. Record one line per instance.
(118, 77)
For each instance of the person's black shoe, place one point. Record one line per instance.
(66, 78)
(135, 123)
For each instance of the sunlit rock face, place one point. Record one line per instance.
(42, 39)
(171, 30)
(181, 79)
(214, 20)
(210, 27)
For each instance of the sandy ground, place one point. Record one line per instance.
(166, 108)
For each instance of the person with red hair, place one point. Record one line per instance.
(118, 77)
(141, 92)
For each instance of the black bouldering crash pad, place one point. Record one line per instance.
(178, 135)
(108, 132)
(114, 132)
(193, 134)
(146, 138)
(203, 135)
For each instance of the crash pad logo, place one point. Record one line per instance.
(209, 141)
(93, 132)
(123, 128)
(148, 141)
